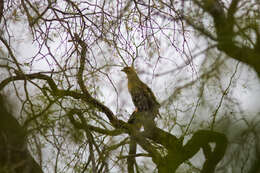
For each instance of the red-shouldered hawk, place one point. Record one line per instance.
(142, 96)
(146, 105)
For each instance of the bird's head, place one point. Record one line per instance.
(130, 72)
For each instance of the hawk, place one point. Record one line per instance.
(142, 96)
(145, 103)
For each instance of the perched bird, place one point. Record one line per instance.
(142, 96)
(146, 105)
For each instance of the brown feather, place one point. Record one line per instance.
(142, 96)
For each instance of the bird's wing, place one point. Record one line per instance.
(150, 94)
(140, 98)
(143, 98)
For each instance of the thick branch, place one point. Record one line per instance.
(61, 93)
(14, 156)
(146, 145)
(224, 25)
(177, 154)
(81, 81)
(84, 126)
(201, 139)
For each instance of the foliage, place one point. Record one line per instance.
(62, 61)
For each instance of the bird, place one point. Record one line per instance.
(142, 96)
(146, 105)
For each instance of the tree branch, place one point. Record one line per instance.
(80, 125)
(1, 9)
(201, 139)
(57, 92)
(224, 25)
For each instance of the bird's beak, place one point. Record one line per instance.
(123, 70)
